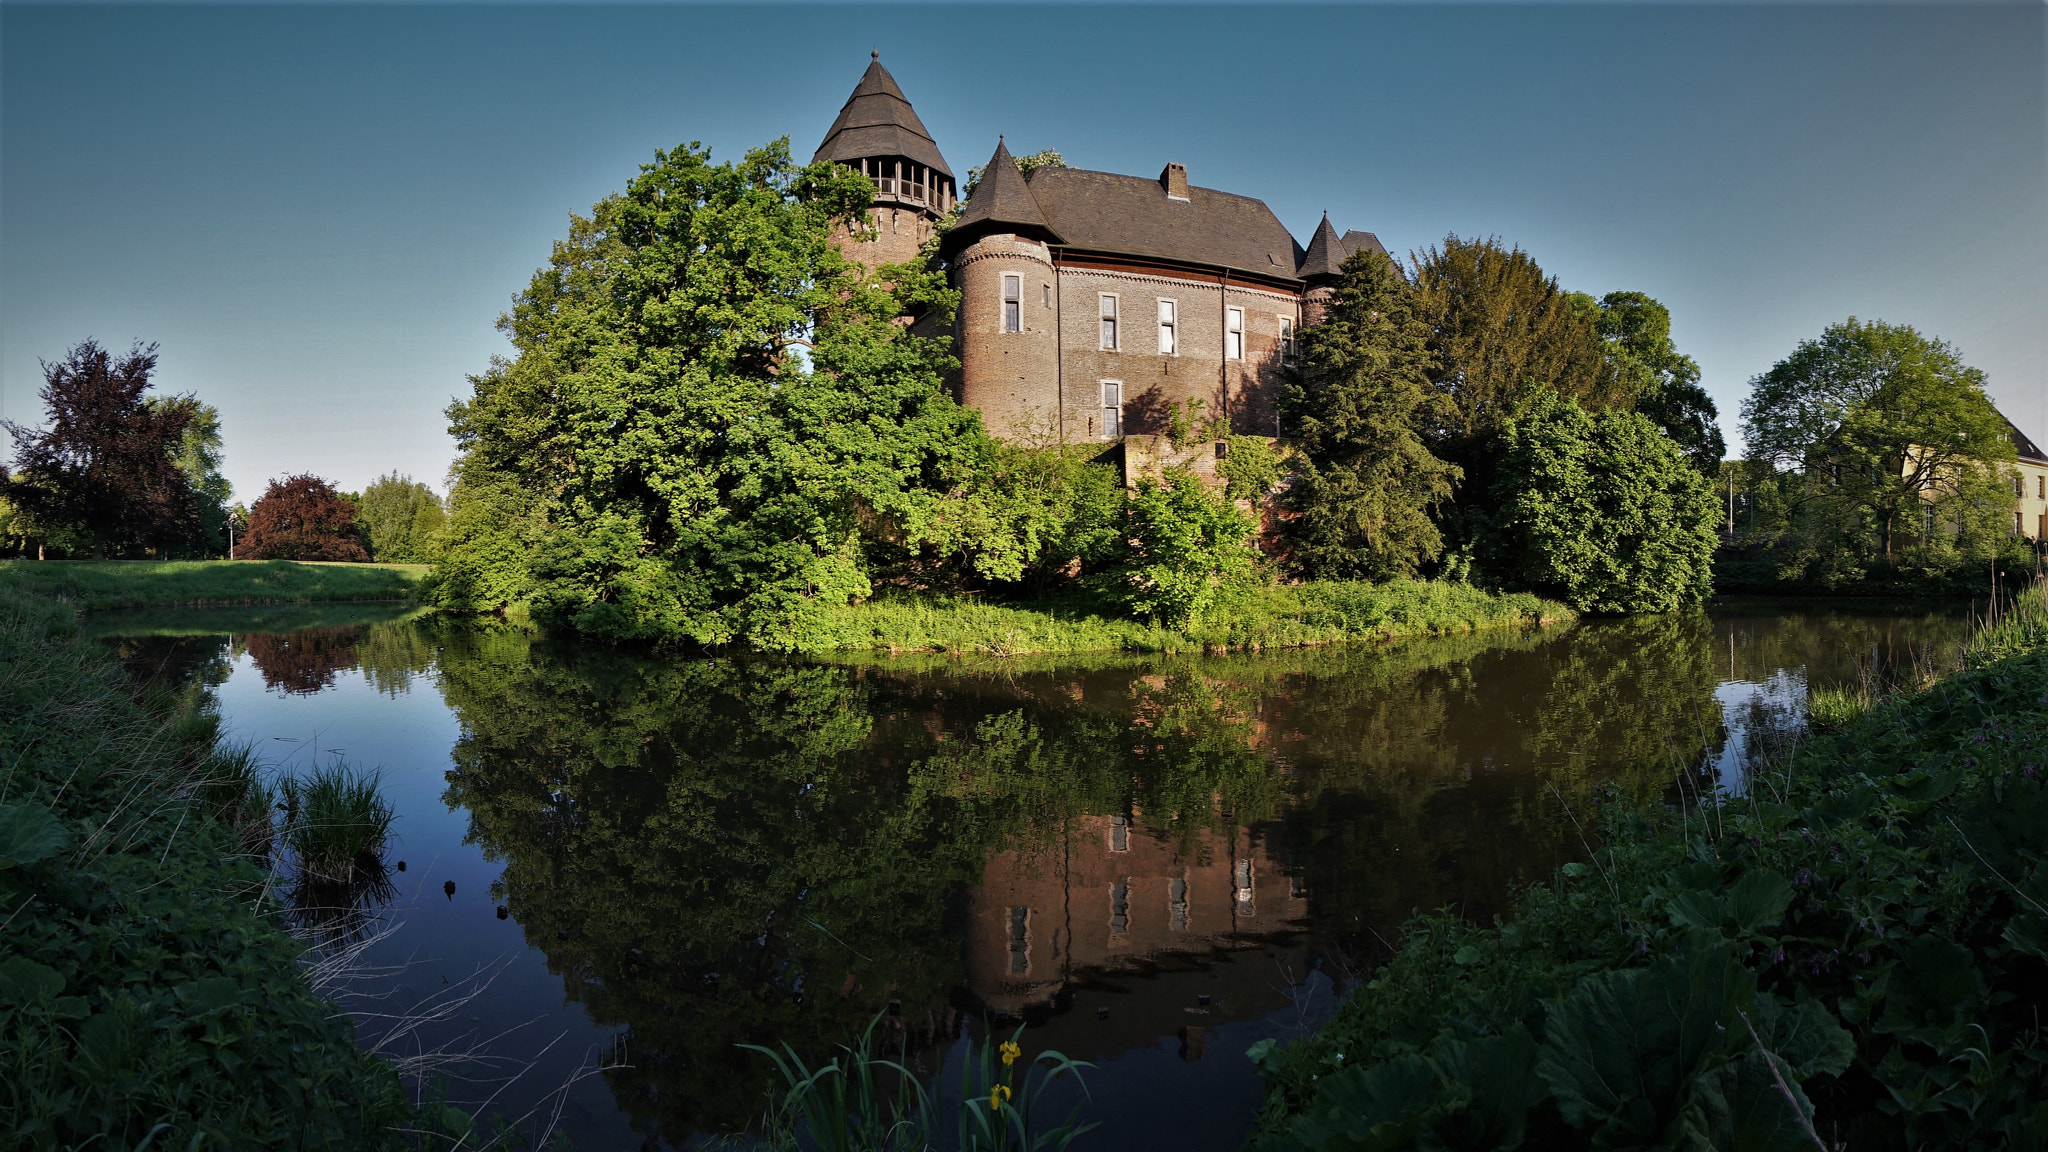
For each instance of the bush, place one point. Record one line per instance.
(1849, 954)
(1182, 548)
(303, 518)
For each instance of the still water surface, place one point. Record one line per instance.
(1153, 863)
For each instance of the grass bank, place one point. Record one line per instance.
(1277, 616)
(99, 584)
(146, 996)
(1848, 954)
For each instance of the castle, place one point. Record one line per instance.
(1092, 303)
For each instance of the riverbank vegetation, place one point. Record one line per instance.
(95, 585)
(1272, 616)
(147, 998)
(1844, 951)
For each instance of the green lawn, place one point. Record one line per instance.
(97, 584)
(1279, 616)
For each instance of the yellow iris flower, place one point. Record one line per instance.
(1010, 1052)
(997, 1095)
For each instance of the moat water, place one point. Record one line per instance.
(1150, 863)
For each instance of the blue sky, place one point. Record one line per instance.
(319, 212)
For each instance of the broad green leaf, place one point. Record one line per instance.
(29, 834)
(23, 981)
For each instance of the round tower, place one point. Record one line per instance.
(879, 135)
(1009, 322)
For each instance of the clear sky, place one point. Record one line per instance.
(319, 212)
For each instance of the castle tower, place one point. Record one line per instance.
(1009, 322)
(879, 135)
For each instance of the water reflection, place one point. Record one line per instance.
(1137, 855)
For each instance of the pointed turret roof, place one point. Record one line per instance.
(1325, 255)
(1002, 202)
(877, 120)
(1328, 251)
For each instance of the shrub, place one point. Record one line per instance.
(1182, 548)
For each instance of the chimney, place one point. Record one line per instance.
(1175, 181)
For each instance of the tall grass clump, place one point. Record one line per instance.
(1848, 956)
(337, 823)
(230, 785)
(862, 1101)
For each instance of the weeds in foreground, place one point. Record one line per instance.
(843, 1106)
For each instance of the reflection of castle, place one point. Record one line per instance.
(1111, 897)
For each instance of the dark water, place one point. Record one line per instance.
(1153, 863)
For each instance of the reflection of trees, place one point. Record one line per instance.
(718, 851)
(306, 661)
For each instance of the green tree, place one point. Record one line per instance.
(711, 412)
(1500, 331)
(1661, 382)
(1876, 432)
(198, 455)
(404, 520)
(1601, 510)
(1365, 481)
(1182, 547)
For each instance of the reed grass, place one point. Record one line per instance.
(1274, 616)
(336, 823)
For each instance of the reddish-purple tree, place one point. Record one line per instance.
(105, 472)
(303, 518)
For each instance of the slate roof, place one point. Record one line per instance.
(1002, 202)
(2026, 448)
(1327, 251)
(1132, 216)
(877, 120)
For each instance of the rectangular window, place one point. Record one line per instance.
(1168, 316)
(1013, 303)
(1235, 341)
(1286, 340)
(1927, 520)
(2041, 487)
(1046, 297)
(1177, 904)
(1119, 834)
(1109, 323)
(1112, 410)
(1020, 941)
(1120, 906)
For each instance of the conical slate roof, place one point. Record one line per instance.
(1002, 202)
(1325, 255)
(878, 120)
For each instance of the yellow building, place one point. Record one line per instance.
(2030, 519)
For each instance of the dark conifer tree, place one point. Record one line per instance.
(105, 471)
(1366, 481)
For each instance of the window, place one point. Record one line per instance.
(1047, 298)
(1168, 315)
(1013, 303)
(1927, 520)
(1241, 881)
(1112, 410)
(2019, 487)
(1286, 340)
(2041, 487)
(1020, 941)
(1109, 323)
(1120, 905)
(1177, 904)
(2019, 524)
(1119, 834)
(1234, 341)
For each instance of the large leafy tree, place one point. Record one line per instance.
(303, 518)
(1365, 480)
(1662, 382)
(1501, 330)
(1600, 509)
(711, 414)
(105, 471)
(199, 457)
(1180, 547)
(1874, 430)
(403, 519)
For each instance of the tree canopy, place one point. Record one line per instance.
(403, 519)
(1365, 481)
(1660, 382)
(303, 518)
(105, 472)
(1601, 510)
(712, 414)
(1875, 431)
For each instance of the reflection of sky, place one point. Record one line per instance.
(442, 942)
(1781, 696)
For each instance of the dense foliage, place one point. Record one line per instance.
(1599, 509)
(1873, 453)
(145, 1000)
(711, 415)
(105, 477)
(1845, 953)
(1366, 483)
(303, 518)
(403, 520)
(1179, 548)
(1662, 382)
